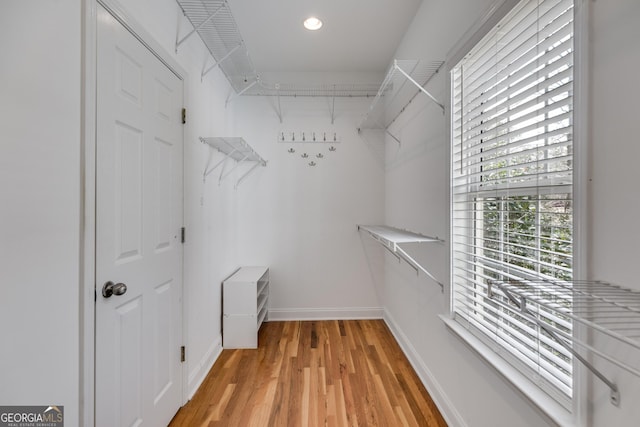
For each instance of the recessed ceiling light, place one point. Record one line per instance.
(312, 23)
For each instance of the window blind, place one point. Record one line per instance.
(512, 212)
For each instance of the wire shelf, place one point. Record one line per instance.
(609, 314)
(234, 148)
(311, 90)
(216, 26)
(213, 21)
(403, 82)
(391, 238)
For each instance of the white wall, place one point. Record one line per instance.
(40, 203)
(301, 220)
(417, 185)
(614, 176)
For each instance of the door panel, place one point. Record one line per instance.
(138, 220)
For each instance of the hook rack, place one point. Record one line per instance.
(308, 137)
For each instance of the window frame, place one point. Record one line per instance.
(483, 26)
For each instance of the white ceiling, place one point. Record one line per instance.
(357, 36)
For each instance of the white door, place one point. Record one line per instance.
(138, 240)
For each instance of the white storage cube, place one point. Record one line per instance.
(245, 306)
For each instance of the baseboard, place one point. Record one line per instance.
(440, 398)
(202, 368)
(325, 313)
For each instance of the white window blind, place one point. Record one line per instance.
(512, 215)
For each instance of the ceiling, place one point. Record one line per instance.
(357, 35)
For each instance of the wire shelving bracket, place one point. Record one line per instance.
(213, 21)
(391, 238)
(610, 314)
(233, 148)
(403, 82)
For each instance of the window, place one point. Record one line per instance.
(512, 212)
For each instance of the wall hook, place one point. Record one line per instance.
(332, 148)
(312, 163)
(335, 138)
(319, 155)
(303, 137)
(293, 136)
(314, 137)
(304, 156)
(324, 136)
(282, 137)
(291, 150)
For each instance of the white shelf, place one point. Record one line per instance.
(235, 148)
(609, 316)
(391, 238)
(245, 306)
(341, 90)
(403, 82)
(213, 21)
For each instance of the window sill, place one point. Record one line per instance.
(530, 391)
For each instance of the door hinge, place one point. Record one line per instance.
(182, 234)
(184, 115)
(182, 354)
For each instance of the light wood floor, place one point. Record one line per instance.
(325, 373)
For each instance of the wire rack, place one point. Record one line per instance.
(391, 238)
(403, 82)
(608, 315)
(213, 21)
(317, 90)
(235, 148)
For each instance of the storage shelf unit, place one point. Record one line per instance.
(235, 148)
(391, 238)
(403, 82)
(245, 306)
(605, 319)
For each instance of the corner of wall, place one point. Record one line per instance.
(198, 374)
(440, 398)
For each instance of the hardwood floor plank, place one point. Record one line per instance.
(319, 373)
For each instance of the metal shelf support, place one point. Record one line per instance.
(419, 86)
(224, 159)
(609, 313)
(246, 174)
(403, 82)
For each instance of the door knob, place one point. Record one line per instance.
(111, 288)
